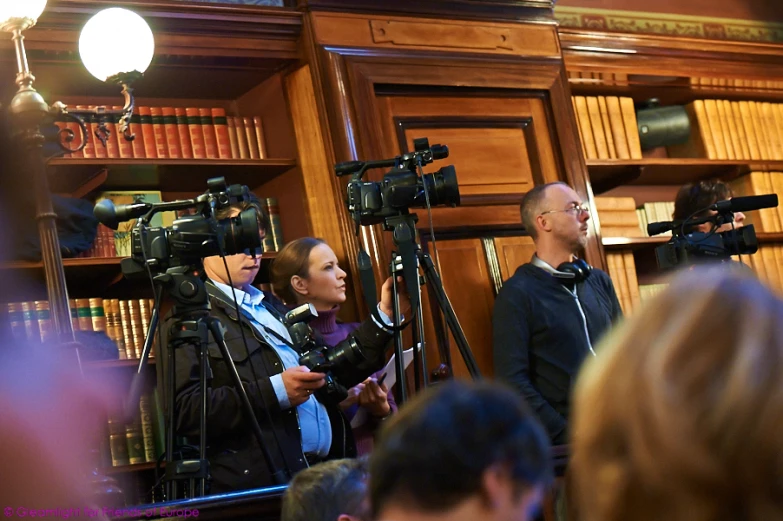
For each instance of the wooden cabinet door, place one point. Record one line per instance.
(472, 271)
(501, 146)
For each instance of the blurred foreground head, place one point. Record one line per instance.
(681, 415)
(50, 418)
(461, 450)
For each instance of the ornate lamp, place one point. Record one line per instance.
(108, 58)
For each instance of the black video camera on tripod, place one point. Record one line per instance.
(172, 259)
(688, 247)
(388, 202)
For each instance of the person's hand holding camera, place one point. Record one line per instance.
(300, 383)
(387, 302)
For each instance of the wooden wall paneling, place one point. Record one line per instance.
(497, 10)
(465, 279)
(356, 65)
(665, 55)
(268, 100)
(325, 208)
(512, 252)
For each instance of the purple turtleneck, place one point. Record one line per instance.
(333, 333)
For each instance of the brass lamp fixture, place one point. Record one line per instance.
(107, 56)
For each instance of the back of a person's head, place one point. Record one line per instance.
(680, 416)
(433, 454)
(693, 198)
(326, 491)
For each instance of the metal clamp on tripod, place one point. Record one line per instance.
(171, 258)
(388, 202)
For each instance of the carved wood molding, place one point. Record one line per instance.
(498, 10)
(182, 28)
(661, 54)
(404, 35)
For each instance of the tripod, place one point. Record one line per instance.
(192, 326)
(407, 260)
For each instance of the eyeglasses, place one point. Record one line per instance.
(576, 209)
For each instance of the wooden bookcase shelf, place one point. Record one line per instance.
(633, 243)
(137, 467)
(110, 263)
(636, 243)
(608, 174)
(679, 92)
(114, 364)
(66, 175)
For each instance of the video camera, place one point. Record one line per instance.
(371, 202)
(333, 361)
(688, 248)
(191, 237)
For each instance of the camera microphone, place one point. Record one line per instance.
(347, 167)
(110, 215)
(659, 227)
(439, 151)
(746, 204)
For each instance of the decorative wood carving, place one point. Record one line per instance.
(508, 10)
(402, 33)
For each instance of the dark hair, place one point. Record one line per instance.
(326, 490)
(434, 453)
(253, 202)
(697, 196)
(530, 207)
(293, 259)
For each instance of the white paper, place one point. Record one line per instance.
(389, 381)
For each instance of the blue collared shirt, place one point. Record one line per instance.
(313, 417)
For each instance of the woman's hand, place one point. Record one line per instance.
(387, 303)
(375, 398)
(353, 397)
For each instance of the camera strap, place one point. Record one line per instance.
(368, 283)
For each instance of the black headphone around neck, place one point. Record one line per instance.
(568, 272)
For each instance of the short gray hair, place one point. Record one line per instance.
(326, 490)
(530, 207)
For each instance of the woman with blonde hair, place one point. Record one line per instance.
(307, 270)
(681, 416)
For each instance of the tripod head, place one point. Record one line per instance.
(186, 286)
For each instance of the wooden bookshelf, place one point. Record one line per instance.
(114, 364)
(137, 467)
(167, 175)
(633, 243)
(608, 174)
(111, 263)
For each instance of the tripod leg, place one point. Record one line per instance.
(280, 477)
(171, 486)
(399, 362)
(420, 346)
(448, 311)
(205, 377)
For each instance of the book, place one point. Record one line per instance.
(122, 235)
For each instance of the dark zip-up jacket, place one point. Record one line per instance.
(540, 340)
(236, 460)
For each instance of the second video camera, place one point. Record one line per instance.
(371, 202)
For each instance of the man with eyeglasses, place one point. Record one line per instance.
(544, 323)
